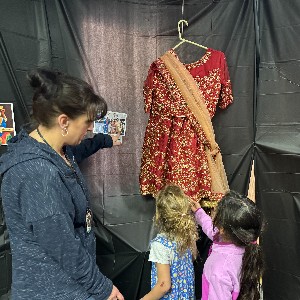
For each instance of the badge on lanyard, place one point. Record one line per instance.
(88, 220)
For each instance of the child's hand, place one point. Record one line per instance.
(195, 205)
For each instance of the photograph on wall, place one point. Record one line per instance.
(7, 123)
(111, 123)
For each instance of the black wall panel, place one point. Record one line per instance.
(278, 146)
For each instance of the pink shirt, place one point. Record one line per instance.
(221, 274)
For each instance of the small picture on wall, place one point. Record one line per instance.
(7, 123)
(111, 123)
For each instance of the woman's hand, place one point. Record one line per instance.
(115, 138)
(115, 294)
(195, 205)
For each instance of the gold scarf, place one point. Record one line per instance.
(196, 103)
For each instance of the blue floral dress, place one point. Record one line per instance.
(181, 268)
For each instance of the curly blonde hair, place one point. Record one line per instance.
(174, 218)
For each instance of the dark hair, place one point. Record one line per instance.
(242, 223)
(57, 93)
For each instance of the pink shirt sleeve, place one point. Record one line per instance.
(205, 221)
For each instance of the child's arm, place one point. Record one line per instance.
(163, 284)
(204, 220)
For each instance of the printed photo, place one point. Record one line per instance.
(7, 123)
(111, 123)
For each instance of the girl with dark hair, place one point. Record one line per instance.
(45, 198)
(171, 253)
(235, 265)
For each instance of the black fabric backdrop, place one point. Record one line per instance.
(278, 145)
(111, 43)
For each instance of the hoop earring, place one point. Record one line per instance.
(64, 131)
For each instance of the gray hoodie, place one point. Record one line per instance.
(45, 204)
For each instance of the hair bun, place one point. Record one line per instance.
(44, 82)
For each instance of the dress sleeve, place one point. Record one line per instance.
(44, 201)
(205, 222)
(148, 88)
(160, 254)
(226, 97)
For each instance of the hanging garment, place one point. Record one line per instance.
(176, 144)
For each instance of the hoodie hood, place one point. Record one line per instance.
(22, 148)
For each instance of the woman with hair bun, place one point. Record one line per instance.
(44, 195)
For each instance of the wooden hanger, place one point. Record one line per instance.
(182, 40)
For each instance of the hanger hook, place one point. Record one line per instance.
(180, 23)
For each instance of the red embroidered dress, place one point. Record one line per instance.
(173, 151)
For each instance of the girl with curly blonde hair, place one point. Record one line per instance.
(172, 251)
